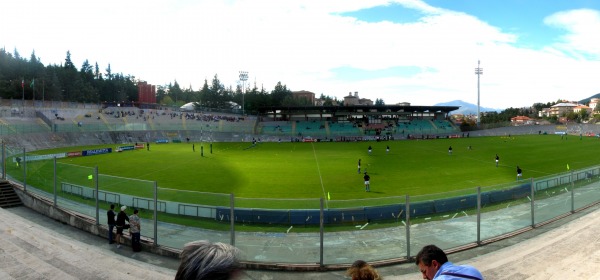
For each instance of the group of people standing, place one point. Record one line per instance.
(432, 262)
(121, 221)
(206, 260)
(366, 177)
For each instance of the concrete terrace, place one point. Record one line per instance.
(33, 246)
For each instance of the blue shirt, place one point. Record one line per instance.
(449, 271)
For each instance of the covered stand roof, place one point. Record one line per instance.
(359, 109)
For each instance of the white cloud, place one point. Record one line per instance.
(583, 31)
(300, 43)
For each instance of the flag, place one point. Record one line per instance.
(32, 83)
(90, 177)
(23, 83)
(568, 166)
(328, 196)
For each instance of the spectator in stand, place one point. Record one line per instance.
(134, 229)
(110, 215)
(361, 270)
(121, 218)
(205, 260)
(434, 265)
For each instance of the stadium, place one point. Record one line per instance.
(283, 185)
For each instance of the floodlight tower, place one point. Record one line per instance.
(478, 72)
(243, 78)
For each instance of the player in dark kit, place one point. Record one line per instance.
(367, 182)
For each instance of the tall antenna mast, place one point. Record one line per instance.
(479, 72)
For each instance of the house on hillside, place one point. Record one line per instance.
(594, 103)
(355, 100)
(522, 120)
(561, 109)
(580, 108)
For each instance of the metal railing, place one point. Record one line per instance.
(310, 231)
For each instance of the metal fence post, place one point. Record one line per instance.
(321, 227)
(3, 160)
(24, 172)
(55, 182)
(572, 193)
(532, 203)
(407, 211)
(478, 215)
(231, 218)
(155, 213)
(97, 195)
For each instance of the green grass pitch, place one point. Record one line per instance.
(312, 170)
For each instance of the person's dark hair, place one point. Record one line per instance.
(112, 206)
(205, 260)
(430, 253)
(135, 211)
(361, 270)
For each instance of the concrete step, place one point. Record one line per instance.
(8, 196)
(29, 251)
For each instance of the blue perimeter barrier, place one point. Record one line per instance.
(372, 213)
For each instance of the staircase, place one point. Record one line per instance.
(8, 196)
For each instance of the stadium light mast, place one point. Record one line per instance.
(479, 72)
(243, 78)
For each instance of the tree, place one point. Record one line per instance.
(279, 93)
(204, 93)
(583, 115)
(379, 102)
(54, 92)
(175, 92)
(167, 101)
(161, 93)
(97, 74)
(87, 72)
(217, 96)
(467, 125)
(68, 63)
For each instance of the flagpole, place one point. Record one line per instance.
(43, 90)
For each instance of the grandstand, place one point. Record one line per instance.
(297, 122)
(84, 126)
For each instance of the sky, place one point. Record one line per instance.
(422, 52)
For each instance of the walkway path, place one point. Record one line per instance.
(33, 246)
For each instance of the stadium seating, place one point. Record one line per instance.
(339, 129)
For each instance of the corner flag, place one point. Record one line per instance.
(328, 196)
(568, 166)
(90, 177)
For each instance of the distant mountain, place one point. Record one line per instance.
(587, 100)
(466, 108)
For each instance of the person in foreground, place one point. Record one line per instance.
(361, 270)
(206, 260)
(433, 264)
